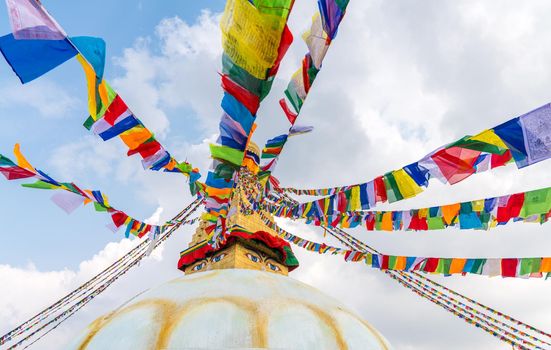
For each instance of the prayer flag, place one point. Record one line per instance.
(29, 20)
(31, 59)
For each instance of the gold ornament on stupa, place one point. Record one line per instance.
(252, 245)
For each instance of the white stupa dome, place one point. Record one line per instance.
(231, 309)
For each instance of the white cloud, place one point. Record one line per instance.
(39, 96)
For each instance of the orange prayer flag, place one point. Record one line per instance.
(135, 136)
(401, 262)
(457, 265)
(450, 211)
(21, 161)
(386, 222)
(545, 265)
(103, 94)
(172, 164)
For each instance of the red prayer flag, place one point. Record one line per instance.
(119, 218)
(247, 98)
(341, 202)
(305, 78)
(370, 223)
(146, 149)
(456, 163)
(384, 265)
(431, 265)
(15, 173)
(144, 231)
(290, 114)
(115, 110)
(498, 160)
(284, 44)
(380, 190)
(512, 209)
(509, 267)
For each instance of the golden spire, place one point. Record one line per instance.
(241, 253)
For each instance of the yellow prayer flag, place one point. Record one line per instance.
(251, 38)
(407, 186)
(91, 82)
(326, 204)
(369, 259)
(355, 203)
(423, 212)
(490, 137)
(478, 205)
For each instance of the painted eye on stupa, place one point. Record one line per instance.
(218, 258)
(199, 267)
(273, 267)
(253, 257)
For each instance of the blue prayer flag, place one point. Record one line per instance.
(93, 49)
(31, 59)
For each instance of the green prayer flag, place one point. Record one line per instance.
(342, 4)
(485, 219)
(40, 185)
(435, 223)
(392, 191)
(391, 262)
(184, 167)
(6, 161)
(477, 266)
(227, 154)
(536, 202)
(529, 265)
(240, 76)
(278, 8)
(99, 207)
(224, 171)
(293, 97)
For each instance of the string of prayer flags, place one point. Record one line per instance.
(72, 195)
(255, 38)
(533, 267)
(318, 39)
(483, 214)
(467, 313)
(525, 140)
(38, 44)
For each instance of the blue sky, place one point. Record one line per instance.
(33, 228)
